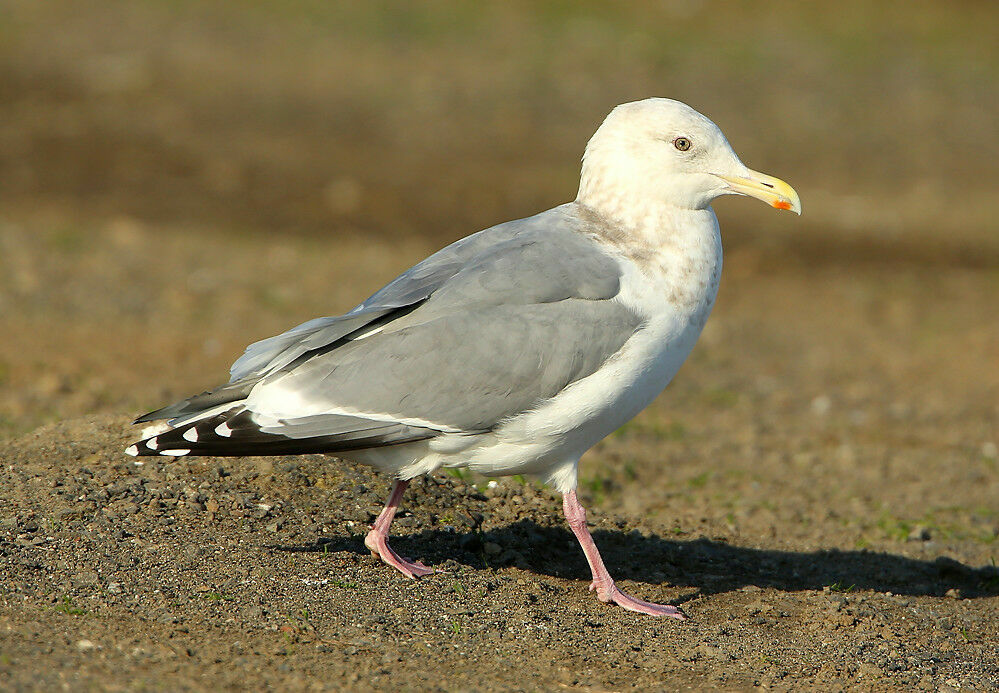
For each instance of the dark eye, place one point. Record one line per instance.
(681, 143)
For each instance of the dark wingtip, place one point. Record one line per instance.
(230, 392)
(170, 412)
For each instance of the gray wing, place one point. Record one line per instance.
(512, 327)
(462, 373)
(409, 289)
(482, 331)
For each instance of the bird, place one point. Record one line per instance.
(511, 351)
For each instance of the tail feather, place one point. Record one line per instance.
(232, 432)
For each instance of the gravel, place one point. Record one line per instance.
(228, 569)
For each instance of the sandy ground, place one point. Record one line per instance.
(818, 490)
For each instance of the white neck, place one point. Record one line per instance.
(651, 223)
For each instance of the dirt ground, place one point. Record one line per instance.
(818, 490)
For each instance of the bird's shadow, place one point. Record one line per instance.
(707, 565)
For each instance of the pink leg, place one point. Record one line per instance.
(377, 538)
(607, 591)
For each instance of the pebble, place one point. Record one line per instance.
(86, 577)
(85, 645)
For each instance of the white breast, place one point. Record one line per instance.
(673, 290)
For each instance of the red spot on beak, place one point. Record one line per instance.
(781, 204)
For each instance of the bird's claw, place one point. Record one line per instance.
(609, 593)
(378, 545)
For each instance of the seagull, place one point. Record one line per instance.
(511, 351)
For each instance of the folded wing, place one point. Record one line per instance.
(486, 329)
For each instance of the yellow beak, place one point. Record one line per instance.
(773, 191)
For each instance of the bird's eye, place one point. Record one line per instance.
(681, 143)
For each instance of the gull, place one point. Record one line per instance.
(511, 351)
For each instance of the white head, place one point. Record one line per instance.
(663, 151)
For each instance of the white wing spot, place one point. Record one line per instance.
(152, 443)
(191, 434)
(132, 450)
(223, 430)
(175, 453)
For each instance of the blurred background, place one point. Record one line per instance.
(179, 178)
